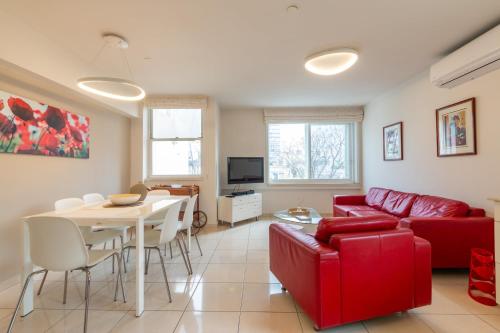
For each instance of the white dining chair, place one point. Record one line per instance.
(154, 239)
(184, 226)
(91, 238)
(57, 244)
(96, 198)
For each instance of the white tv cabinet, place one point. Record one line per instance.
(239, 208)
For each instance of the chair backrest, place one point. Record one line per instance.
(68, 203)
(91, 198)
(187, 219)
(170, 223)
(56, 243)
(159, 192)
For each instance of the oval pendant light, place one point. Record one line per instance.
(331, 62)
(111, 87)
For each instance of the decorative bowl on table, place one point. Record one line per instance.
(124, 199)
(299, 211)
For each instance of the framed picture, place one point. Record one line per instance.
(456, 129)
(34, 128)
(393, 142)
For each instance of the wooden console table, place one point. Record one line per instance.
(183, 190)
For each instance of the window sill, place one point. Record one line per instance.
(313, 186)
(173, 178)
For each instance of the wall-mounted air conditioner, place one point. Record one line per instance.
(469, 62)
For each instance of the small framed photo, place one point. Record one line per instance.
(456, 129)
(393, 142)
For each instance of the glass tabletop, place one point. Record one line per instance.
(312, 218)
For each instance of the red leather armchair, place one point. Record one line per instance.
(354, 275)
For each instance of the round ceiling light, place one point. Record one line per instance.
(331, 62)
(114, 88)
(111, 87)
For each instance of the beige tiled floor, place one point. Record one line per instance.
(230, 291)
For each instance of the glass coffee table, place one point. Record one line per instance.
(313, 217)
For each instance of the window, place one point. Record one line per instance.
(175, 142)
(320, 152)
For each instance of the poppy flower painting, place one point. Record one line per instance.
(29, 127)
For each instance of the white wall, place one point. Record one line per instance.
(208, 182)
(469, 178)
(30, 184)
(243, 133)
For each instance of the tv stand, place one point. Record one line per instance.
(236, 208)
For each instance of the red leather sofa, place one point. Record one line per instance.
(354, 269)
(452, 227)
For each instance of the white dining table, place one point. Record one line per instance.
(102, 215)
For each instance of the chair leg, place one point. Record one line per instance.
(43, 282)
(171, 255)
(182, 254)
(87, 296)
(148, 255)
(165, 275)
(198, 243)
(65, 293)
(113, 266)
(119, 259)
(26, 283)
(187, 253)
(128, 255)
(121, 254)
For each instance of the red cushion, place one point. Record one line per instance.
(343, 210)
(399, 203)
(340, 225)
(360, 213)
(376, 196)
(431, 206)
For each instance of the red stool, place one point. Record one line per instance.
(482, 277)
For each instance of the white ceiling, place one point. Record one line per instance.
(251, 53)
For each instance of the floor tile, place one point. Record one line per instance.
(156, 297)
(266, 297)
(308, 327)
(175, 273)
(38, 321)
(229, 257)
(149, 322)
(441, 304)
(457, 324)
(224, 273)
(258, 257)
(52, 298)
(200, 322)
(258, 244)
(232, 244)
(266, 322)
(397, 323)
(259, 273)
(217, 297)
(493, 320)
(98, 322)
(103, 299)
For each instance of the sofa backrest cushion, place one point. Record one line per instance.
(431, 206)
(399, 203)
(376, 196)
(341, 225)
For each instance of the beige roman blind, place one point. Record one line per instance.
(176, 102)
(323, 114)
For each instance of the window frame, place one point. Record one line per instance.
(151, 140)
(353, 152)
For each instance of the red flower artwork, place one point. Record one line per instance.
(29, 127)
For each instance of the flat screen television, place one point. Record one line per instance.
(245, 170)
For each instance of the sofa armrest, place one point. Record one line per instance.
(452, 238)
(309, 269)
(349, 200)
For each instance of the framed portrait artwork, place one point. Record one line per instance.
(393, 142)
(456, 129)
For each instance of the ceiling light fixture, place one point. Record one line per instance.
(331, 62)
(112, 87)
